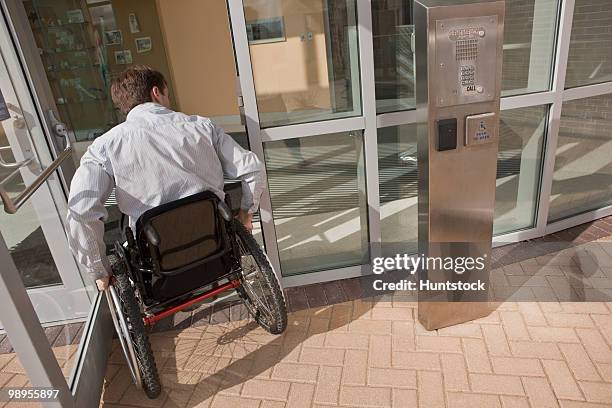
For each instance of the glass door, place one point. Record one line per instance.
(34, 235)
(299, 69)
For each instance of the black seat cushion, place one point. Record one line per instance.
(190, 232)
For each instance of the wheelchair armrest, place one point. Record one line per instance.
(152, 235)
(225, 211)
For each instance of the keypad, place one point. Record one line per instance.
(468, 75)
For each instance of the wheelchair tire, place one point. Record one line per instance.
(276, 320)
(144, 354)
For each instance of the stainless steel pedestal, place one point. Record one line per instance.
(458, 86)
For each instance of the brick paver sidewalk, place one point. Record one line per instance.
(374, 353)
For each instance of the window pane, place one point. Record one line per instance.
(582, 180)
(317, 188)
(518, 176)
(529, 38)
(397, 169)
(590, 44)
(392, 31)
(310, 71)
(519, 163)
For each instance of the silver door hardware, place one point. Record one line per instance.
(12, 205)
(58, 127)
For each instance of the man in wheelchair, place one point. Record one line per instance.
(184, 243)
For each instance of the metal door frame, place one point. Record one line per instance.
(365, 122)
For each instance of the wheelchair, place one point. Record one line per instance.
(182, 253)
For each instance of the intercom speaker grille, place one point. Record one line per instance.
(466, 50)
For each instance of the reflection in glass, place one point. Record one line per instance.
(529, 39)
(317, 188)
(22, 231)
(397, 169)
(519, 163)
(582, 180)
(27, 245)
(313, 72)
(590, 44)
(392, 31)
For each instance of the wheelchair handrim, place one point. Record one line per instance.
(253, 298)
(124, 334)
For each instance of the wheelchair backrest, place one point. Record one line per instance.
(182, 234)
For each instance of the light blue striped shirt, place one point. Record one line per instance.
(154, 157)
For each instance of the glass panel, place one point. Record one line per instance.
(529, 39)
(22, 231)
(590, 44)
(310, 70)
(519, 164)
(317, 187)
(393, 31)
(518, 176)
(397, 169)
(28, 234)
(582, 180)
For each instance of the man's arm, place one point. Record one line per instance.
(244, 165)
(89, 190)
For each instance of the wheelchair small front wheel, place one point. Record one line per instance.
(131, 330)
(259, 287)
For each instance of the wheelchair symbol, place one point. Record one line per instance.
(482, 126)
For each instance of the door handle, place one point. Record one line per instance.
(58, 127)
(12, 205)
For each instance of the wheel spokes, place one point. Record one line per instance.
(252, 276)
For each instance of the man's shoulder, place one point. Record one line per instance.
(113, 133)
(201, 120)
(111, 137)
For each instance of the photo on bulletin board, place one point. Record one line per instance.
(123, 57)
(75, 16)
(113, 37)
(143, 44)
(134, 26)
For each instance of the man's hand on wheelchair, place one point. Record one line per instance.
(246, 219)
(102, 283)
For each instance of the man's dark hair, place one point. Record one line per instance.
(134, 86)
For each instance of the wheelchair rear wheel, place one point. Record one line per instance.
(259, 289)
(131, 331)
